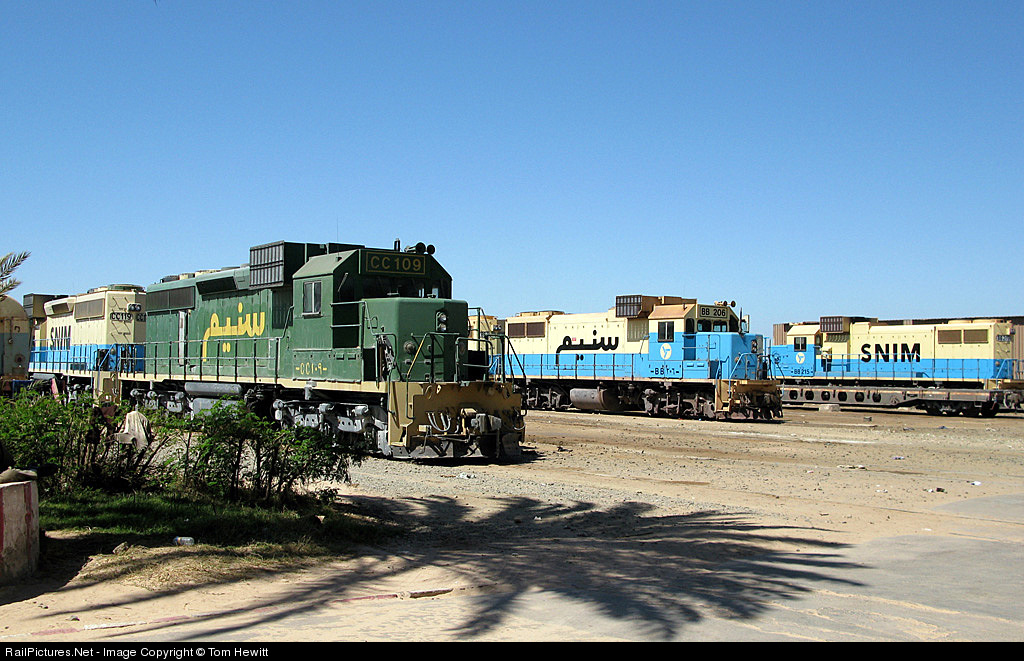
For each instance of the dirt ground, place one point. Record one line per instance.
(855, 474)
(657, 512)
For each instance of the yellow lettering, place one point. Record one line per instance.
(252, 325)
(258, 326)
(213, 330)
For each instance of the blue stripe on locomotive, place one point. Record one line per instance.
(88, 358)
(789, 363)
(689, 356)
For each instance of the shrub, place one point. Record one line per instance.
(74, 441)
(226, 452)
(243, 457)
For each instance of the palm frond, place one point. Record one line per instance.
(8, 264)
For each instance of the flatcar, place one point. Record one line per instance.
(667, 356)
(15, 333)
(943, 366)
(84, 343)
(364, 342)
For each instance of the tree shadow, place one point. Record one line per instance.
(60, 560)
(658, 572)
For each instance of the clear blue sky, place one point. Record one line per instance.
(800, 158)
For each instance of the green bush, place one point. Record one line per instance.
(243, 457)
(74, 442)
(226, 452)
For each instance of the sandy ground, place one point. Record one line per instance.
(648, 524)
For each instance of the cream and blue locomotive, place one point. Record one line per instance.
(85, 343)
(941, 366)
(15, 333)
(667, 356)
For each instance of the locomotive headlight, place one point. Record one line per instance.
(442, 321)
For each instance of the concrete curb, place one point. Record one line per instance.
(19, 530)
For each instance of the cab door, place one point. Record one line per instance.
(714, 359)
(182, 337)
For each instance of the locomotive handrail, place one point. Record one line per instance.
(179, 363)
(560, 366)
(506, 347)
(486, 337)
(745, 359)
(434, 335)
(377, 343)
(519, 360)
(62, 357)
(415, 357)
(853, 367)
(486, 343)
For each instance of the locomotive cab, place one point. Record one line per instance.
(376, 315)
(694, 341)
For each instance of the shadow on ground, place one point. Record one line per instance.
(659, 572)
(60, 561)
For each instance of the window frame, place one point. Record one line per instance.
(312, 292)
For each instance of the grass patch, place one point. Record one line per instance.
(159, 518)
(131, 537)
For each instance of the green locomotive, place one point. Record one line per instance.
(365, 342)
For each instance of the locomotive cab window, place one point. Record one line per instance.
(800, 344)
(382, 287)
(666, 331)
(311, 298)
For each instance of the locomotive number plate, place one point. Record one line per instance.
(389, 263)
(712, 312)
